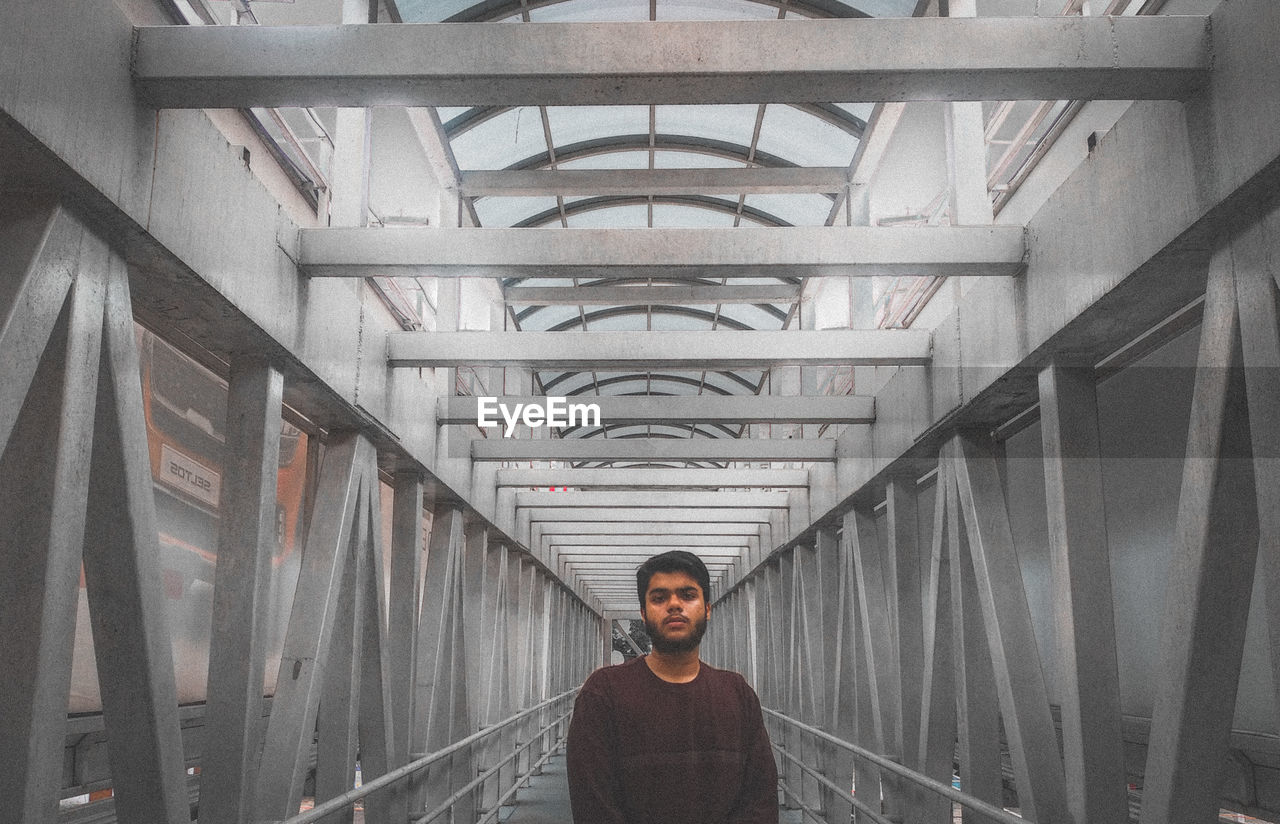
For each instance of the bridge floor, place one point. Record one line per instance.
(546, 799)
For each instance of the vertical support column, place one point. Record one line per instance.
(879, 696)
(292, 724)
(1211, 579)
(828, 618)
(1011, 641)
(938, 696)
(246, 541)
(1093, 752)
(977, 717)
(904, 559)
(51, 334)
(403, 610)
(122, 574)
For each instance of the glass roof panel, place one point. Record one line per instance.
(734, 123)
(499, 141)
(609, 160)
(626, 216)
(572, 124)
(804, 139)
(713, 10)
(798, 210)
(508, 211)
(593, 11)
(692, 160)
(689, 216)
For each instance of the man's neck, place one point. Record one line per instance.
(675, 667)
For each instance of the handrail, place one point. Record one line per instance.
(443, 806)
(350, 797)
(946, 790)
(829, 784)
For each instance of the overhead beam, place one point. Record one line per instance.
(646, 500)
(565, 64)
(697, 515)
(626, 542)
(685, 531)
(654, 477)
(795, 251)
(696, 350)
(727, 409)
(679, 295)
(595, 182)
(653, 449)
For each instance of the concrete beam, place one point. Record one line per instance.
(796, 251)
(727, 409)
(642, 351)
(653, 449)
(691, 295)
(626, 515)
(595, 182)
(737, 530)
(653, 477)
(564, 64)
(643, 544)
(647, 500)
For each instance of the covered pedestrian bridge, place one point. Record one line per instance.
(944, 331)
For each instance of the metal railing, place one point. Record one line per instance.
(921, 781)
(402, 774)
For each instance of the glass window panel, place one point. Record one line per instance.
(798, 210)
(804, 139)
(508, 211)
(734, 123)
(883, 8)
(502, 140)
(859, 110)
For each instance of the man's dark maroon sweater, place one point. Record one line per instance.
(645, 750)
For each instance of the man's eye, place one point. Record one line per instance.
(689, 595)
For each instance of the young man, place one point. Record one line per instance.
(666, 737)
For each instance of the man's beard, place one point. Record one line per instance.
(665, 645)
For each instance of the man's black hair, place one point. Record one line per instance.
(676, 560)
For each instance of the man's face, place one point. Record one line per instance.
(675, 612)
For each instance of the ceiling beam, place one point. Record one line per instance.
(752, 180)
(566, 64)
(654, 477)
(796, 251)
(683, 530)
(646, 351)
(664, 295)
(654, 449)
(631, 499)
(726, 409)
(635, 543)
(672, 515)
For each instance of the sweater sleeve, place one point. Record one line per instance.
(593, 761)
(757, 802)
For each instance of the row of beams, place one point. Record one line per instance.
(648, 515)
(595, 182)
(614, 500)
(653, 449)
(727, 409)
(797, 251)
(678, 295)
(654, 478)
(604, 351)
(564, 64)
